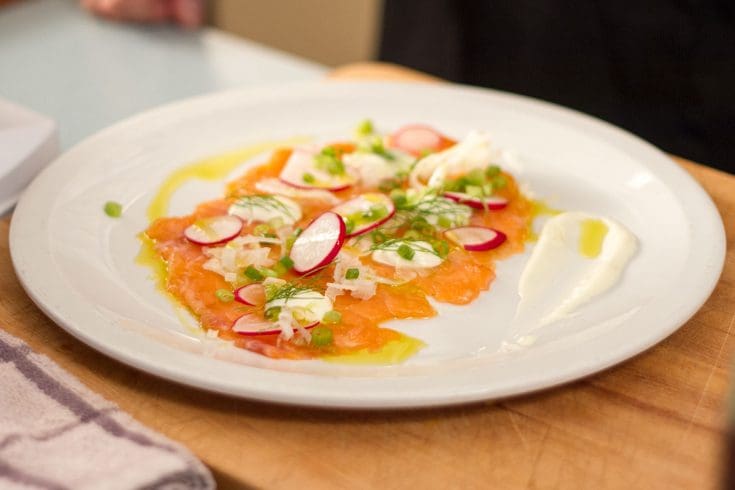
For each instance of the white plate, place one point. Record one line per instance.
(78, 265)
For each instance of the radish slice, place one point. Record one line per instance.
(301, 172)
(253, 324)
(319, 243)
(415, 139)
(365, 212)
(276, 186)
(492, 202)
(476, 238)
(251, 295)
(214, 230)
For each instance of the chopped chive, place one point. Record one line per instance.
(329, 151)
(474, 190)
(378, 236)
(475, 177)
(271, 314)
(268, 272)
(349, 225)
(322, 336)
(286, 262)
(290, 240)
(253, 273)
(387, 185)
(441, 247)
(412, 235)
(376, 212)
(500, 181)
(419, 223)
(426, 229)
(308, 178)
(284, 265)
(332, 317)
(462, 183)
(224, 295)
(352, 273)
(336, 167)
(492, 171)
(113, 209)
(261, 229)
(399, 197)
(452, 185)
(373, 143)
(378, 148)
(406, 252)
(365, 128)
(328, 161)
(444, 221)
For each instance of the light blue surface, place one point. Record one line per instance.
(87, 73)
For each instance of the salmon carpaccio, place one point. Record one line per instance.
(459, 280)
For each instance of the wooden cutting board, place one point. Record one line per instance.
(656, 421)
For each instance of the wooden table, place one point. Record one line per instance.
(656, 421)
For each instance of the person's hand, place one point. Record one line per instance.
(188, 13)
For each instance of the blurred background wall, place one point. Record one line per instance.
(313, 29)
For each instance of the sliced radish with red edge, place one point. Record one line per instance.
(251, 294)
(301, 164)
(476, 238)
(416, 139)
(361, 206)
(492, 202)
(253, 324)
(214, 230)
(319, 243)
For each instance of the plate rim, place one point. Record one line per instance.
(709, 219)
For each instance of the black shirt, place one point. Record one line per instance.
(662, 69)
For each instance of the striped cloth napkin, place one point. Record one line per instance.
(56, 434)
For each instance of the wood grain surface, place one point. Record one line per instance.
(656, 421)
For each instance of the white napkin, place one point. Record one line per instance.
(28, 142)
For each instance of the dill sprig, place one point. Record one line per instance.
(263, 201)
(394, 244)
(286, 291)
(310, 283)
(434, 205)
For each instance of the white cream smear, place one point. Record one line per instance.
(578, 257)
(474, 151)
